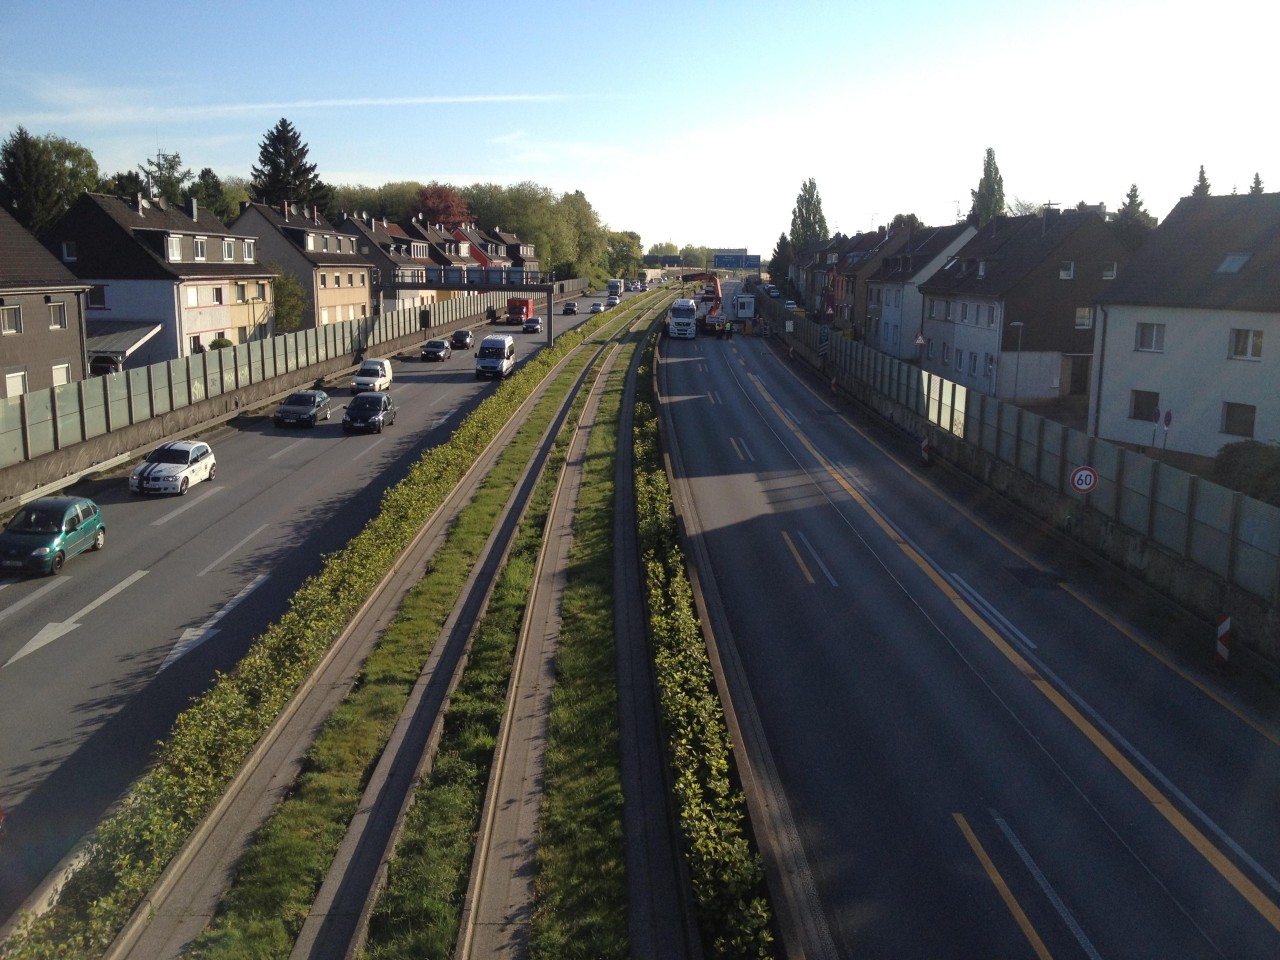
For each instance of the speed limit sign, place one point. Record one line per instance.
(1083, 479)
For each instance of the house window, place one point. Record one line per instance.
(351, 279)
(949, 306)
(946, 354)
(262, 291)
(337, 280)
(929, 347)
(960, 360)
(990, 363)
(248, 251)
(1108, 270)
(193, 296)
(58, 316)
(228, 249)
(324, 281)
(964, 313)
(982, 269)
(200, 243)
(196, 345)
(69, 251)
(10, 321)
(991, 315)
(351, 311)
(1084, 318)
(311, 241)
(217, 295)
(1144, 405)
(364, 309)
(175, 249)
(15, 384)
(362, 279)
(1066, 269)
(973, 364)
(61, 374)
(242, 292)
(1150, 337)
(324, 315)
(933, 309)
(324, 243)
(1233, 263)
(98, 295)
(1237, 419)
(1246, 344)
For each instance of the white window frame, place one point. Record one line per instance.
(1108, 270)
(247, 249)
(1066, 269)
(242, 293)
(1246, 347)
(1084, 318)
(228, 249)
(217, 295)
(61, 373)
(68, 251)
(57, 315)
(193, 296)
(1154, 343)
(324, 280)
(199, 248)
(311, 241)
(11, 320)
(262, 291)
(15, 384)
(175, 249)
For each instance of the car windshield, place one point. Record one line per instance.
(370, 370)
(367, 401)
(300, 400)
(35, 520)
(491, 353)
(163, 455)
(436, 344)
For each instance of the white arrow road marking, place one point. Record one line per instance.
(192, 637)
(34, 595)
(191, 502)
(52, 631)
(232, 550)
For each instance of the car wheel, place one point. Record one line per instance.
(213, 468)
(182, 487)
(379, 430)
(100, 540)
(55, 565)
(327, 413)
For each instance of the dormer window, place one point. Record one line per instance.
(1066, 269)
(1108, 270)
(311, 241)
(201, 245)
(248, 251)
(175, 249)
(228, 249)
(1233, 262)
(982, 268)
(68, 251)
(324, 244)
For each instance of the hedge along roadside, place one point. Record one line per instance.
(728, 879)
(211, 739)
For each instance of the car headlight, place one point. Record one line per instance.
(41, 552)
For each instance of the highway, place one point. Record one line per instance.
(96, 662)
(973, 741)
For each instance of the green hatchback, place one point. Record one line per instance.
(45, 533)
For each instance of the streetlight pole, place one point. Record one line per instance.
(1017, 359)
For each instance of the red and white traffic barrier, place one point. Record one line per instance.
(1222, 648)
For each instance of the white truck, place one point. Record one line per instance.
(682, 320)
(617, 287)
(744, 306)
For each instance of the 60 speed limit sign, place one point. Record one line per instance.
(1084, 479)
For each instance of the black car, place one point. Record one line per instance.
(304, 407)
(462, 340)
(369, 412)
(438, 350)
(570, 308)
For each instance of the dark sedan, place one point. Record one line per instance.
(303, 408)
(369, 413)
(462, 340)
(438, 350)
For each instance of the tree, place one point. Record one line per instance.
(1132, 223)
(808, 225)
(909, 221)
(1021, 208)
(283, 173)
(780, 261)
(1256, 187)
(664, 249)
(988, 199)
(40, 177)
(289, 298)
(1201, 189)
(166, 176)
(213, 195)
(625, 253)
(442, 203)
(125, 183)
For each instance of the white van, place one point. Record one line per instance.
(496, 357)
(373, 375)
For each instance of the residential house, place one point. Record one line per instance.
(400, 263)
(164, 282)
(523, 257)
(41, 314)
(1011, 314)
(894, 304)
(489, 254)
(337, 279)
(451, 257)
(859, 261)
(1180, 343)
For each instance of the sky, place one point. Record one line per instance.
(695, 123)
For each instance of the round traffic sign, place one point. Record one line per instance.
(1083, 479)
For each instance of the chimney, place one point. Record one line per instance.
(245, 205)
(315, 215)
(284, 208)
(137, 203)
(193, 209)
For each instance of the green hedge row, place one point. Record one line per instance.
(727, 876)
(212, 738)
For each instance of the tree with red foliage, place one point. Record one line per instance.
(442, 203)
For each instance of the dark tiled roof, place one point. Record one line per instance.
(296, 222)
(1010, 247)
(1178, 265)
(922, 246)
(24, 262)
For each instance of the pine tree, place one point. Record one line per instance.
(283, 173)
(1257, 184)
(780, 261)
(41, 176)
(1201, 189)
(1132, 223)
(166, 176)
(988, 199)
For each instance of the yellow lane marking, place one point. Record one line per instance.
(1019, 915)
(799, 561)
(736, 448)
(1202, 845)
